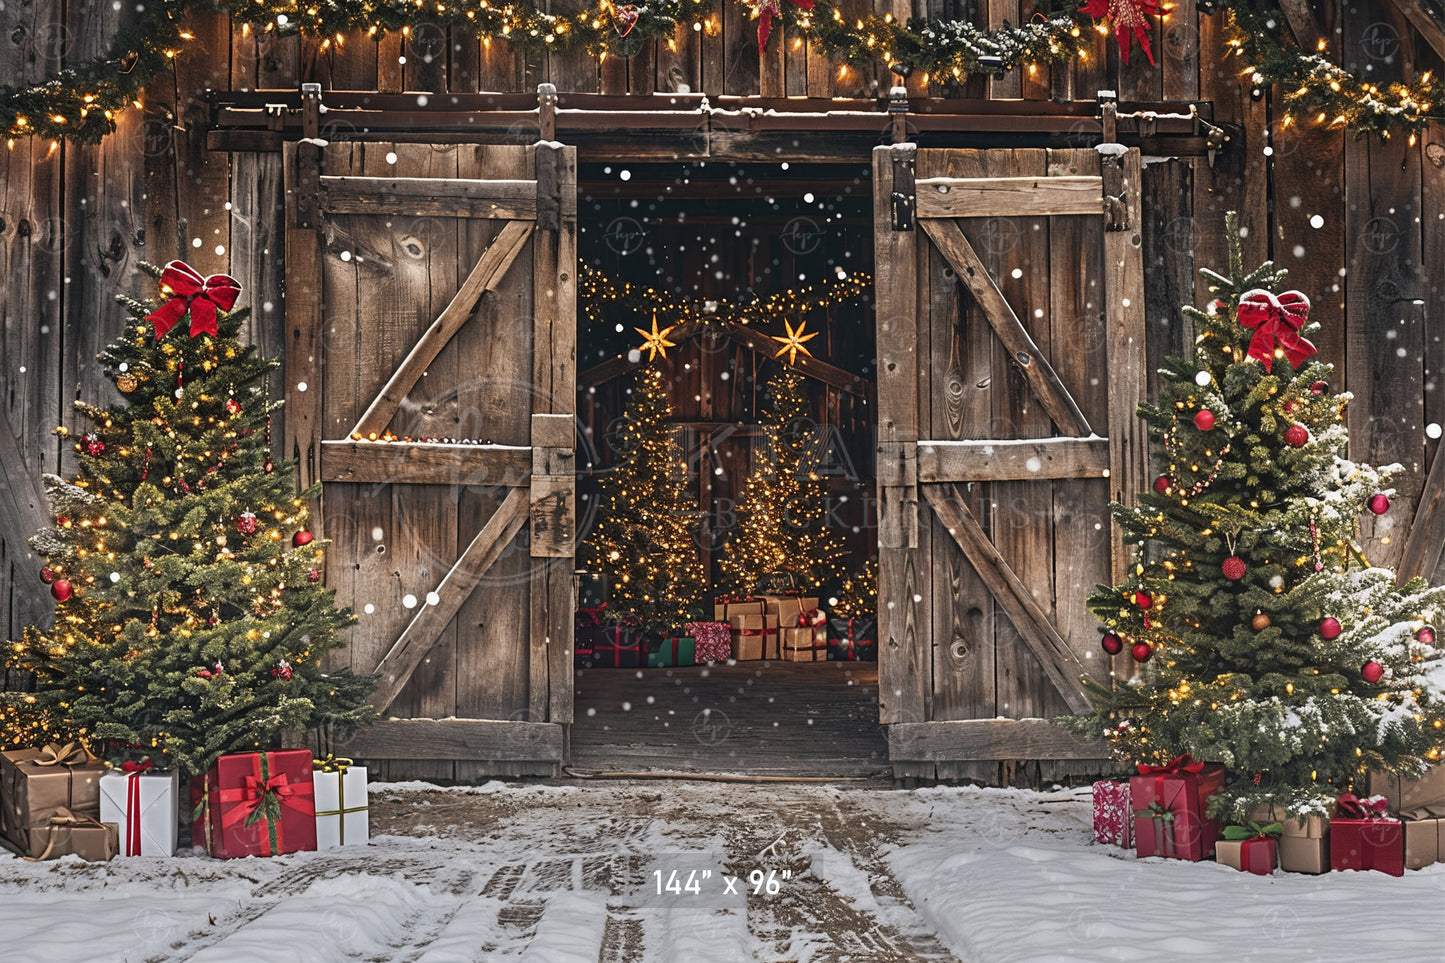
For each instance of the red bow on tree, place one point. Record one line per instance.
(766, 10)
(190, 292)
(1276, 319)
(1126, 16)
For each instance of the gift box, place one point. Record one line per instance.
(1405, 794)
(1113, 816)
(754, 637)
(804, 644)
(852, 638)
(713, 642)
(67, 834)
(1313, 826)
(1169, 803)
(680, 650)
(618, 647)
(1258, 855)
(586, 624)
(144, 804)
(35, 784)
(787, 608)
(342, 816)
(1424, 836)
(1363, 837)
(1304, 854)
(724, 609)
(259, 804)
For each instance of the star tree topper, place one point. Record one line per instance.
(655, 342)
(793, 343)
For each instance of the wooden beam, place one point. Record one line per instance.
(1427, 532)
(1428, 25)
(429, 197)
(424, 463)
(987, 739)
(1030, 459)
(484, 277)
(1008, 196)
(458, 739)
(1059, 662)
(1037, 371)
(1302, 24)
(396, 667)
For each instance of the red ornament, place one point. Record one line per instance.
(282, 670)
(1276, 319)
(246, 523)
(765, 11)
(1379, 503)
(270, 466)
(1233, 568)
(233, 407)
(188, 291)
(314, 575)
(1126, 17)
(47, 576)
(60, 588)
(1426, 635)
(1297, 435)
(94, 447)
(1112, 643)
(1143, 599)
(1161, 484)
(302, 537)
(1141, 651)
(1330, 627)
(1204, 420)
(1320, 388)
(1372, 671)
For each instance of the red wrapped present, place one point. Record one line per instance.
(852, 638)
(259, 804)
(1113, 816)
(1251, 849)
(1362, 836)
(1169, 804)
(714, 641)
(618, 647)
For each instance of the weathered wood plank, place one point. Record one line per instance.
(1029, 459)
(1429, 26)
(304, 300)
(1009, 196)
(258, 262)
(485, 275)
(399, 663)
(1055, 657)
(988, 739)
(429, 196)
(459, 739)
(1302, 23)
(1036, 370)
(1426, 538)
(553, 512)
(1123, 305)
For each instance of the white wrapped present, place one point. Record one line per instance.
(341, 806)
(144, 805)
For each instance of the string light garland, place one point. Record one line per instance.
(80, 104)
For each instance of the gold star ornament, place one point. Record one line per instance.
(793, 343)
(655, 342)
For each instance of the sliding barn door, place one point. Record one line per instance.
(430, 303)
(1011, 360)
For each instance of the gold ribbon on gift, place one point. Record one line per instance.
(63, 818)
(70, 754)
(338, 765)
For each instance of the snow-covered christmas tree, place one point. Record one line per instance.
(1267, 640)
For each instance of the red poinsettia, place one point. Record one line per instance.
(766, 10)
(1126, 16)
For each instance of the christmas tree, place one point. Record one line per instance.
(782, 514)
(191, 619)
(1268, 642)
(646, 533)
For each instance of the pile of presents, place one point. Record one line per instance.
(60, 800)
(789, 628)
(1161, 812)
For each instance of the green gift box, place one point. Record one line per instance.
(680, 650)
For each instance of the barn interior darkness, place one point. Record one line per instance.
(724, 232)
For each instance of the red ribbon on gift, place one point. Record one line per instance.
(1177, 766)
(132, 804)
(1276, 319)
(1351, 806)
(592, 612)
(188, 291)
(811, 618)
(614, 641)
(1261, 848)
(253, 796)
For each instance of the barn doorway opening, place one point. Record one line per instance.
(723, 260)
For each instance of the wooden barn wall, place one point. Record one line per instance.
(1358, 222)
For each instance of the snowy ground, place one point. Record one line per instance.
(562, 873)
